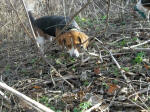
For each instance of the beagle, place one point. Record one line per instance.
(143, 6)
(72, 38)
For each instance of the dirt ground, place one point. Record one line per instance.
(94, 76)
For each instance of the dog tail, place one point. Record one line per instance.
(31, 18)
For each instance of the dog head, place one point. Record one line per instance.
(73, 41)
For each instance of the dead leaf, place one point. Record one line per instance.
(112, 88)
(37, 87)
(69, 97)
(146, 66)
(81, 95)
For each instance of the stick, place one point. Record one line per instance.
(5, 97)
(136, 49)
(26, 98)
(94, 107)
(146, 42)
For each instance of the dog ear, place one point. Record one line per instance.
(59, 41)
(80, 40)
(84, 39)
(64, 42)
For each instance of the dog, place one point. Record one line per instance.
(143, 6)
(71, 39)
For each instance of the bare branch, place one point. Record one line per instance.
(29, 101)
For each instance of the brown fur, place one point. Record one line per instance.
(73, 38)
(41, 33)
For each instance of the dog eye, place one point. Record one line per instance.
(78, 45)
(79, 39)
(64, 41)
(69, 46)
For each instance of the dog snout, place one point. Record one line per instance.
(75, 55)
(74, 52)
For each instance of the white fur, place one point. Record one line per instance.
(40, 41)
(50, 38)
(74, 52)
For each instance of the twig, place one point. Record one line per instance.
(126, 105)
(30, 101)
(138, 105)
(146, 42)
(94, 107)
(116, 54)
(136, 49)
(140, 92)
(111, 102)
(5, 97)
(108, 8)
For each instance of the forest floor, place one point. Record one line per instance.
(95, 76)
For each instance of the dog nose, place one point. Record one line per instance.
(75, 55)
(74, 52)
(82, 47)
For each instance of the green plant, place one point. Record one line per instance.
(51, 57)
(45, 100)
(76, 110)
(72, 59)
(115, 70)
(86, 83)
(62, 54)
(125, 69)
(123, 43)
(24, 71)
(7, 67)
(139, 57)
(82, 106)
(134, 39)
(97, 28)
(123, 23)
(80, 21)
(105, 85)
(84, 22)
(73, 68)
(115, 81)
(58, 61)
(34, 60)
(104, 17)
